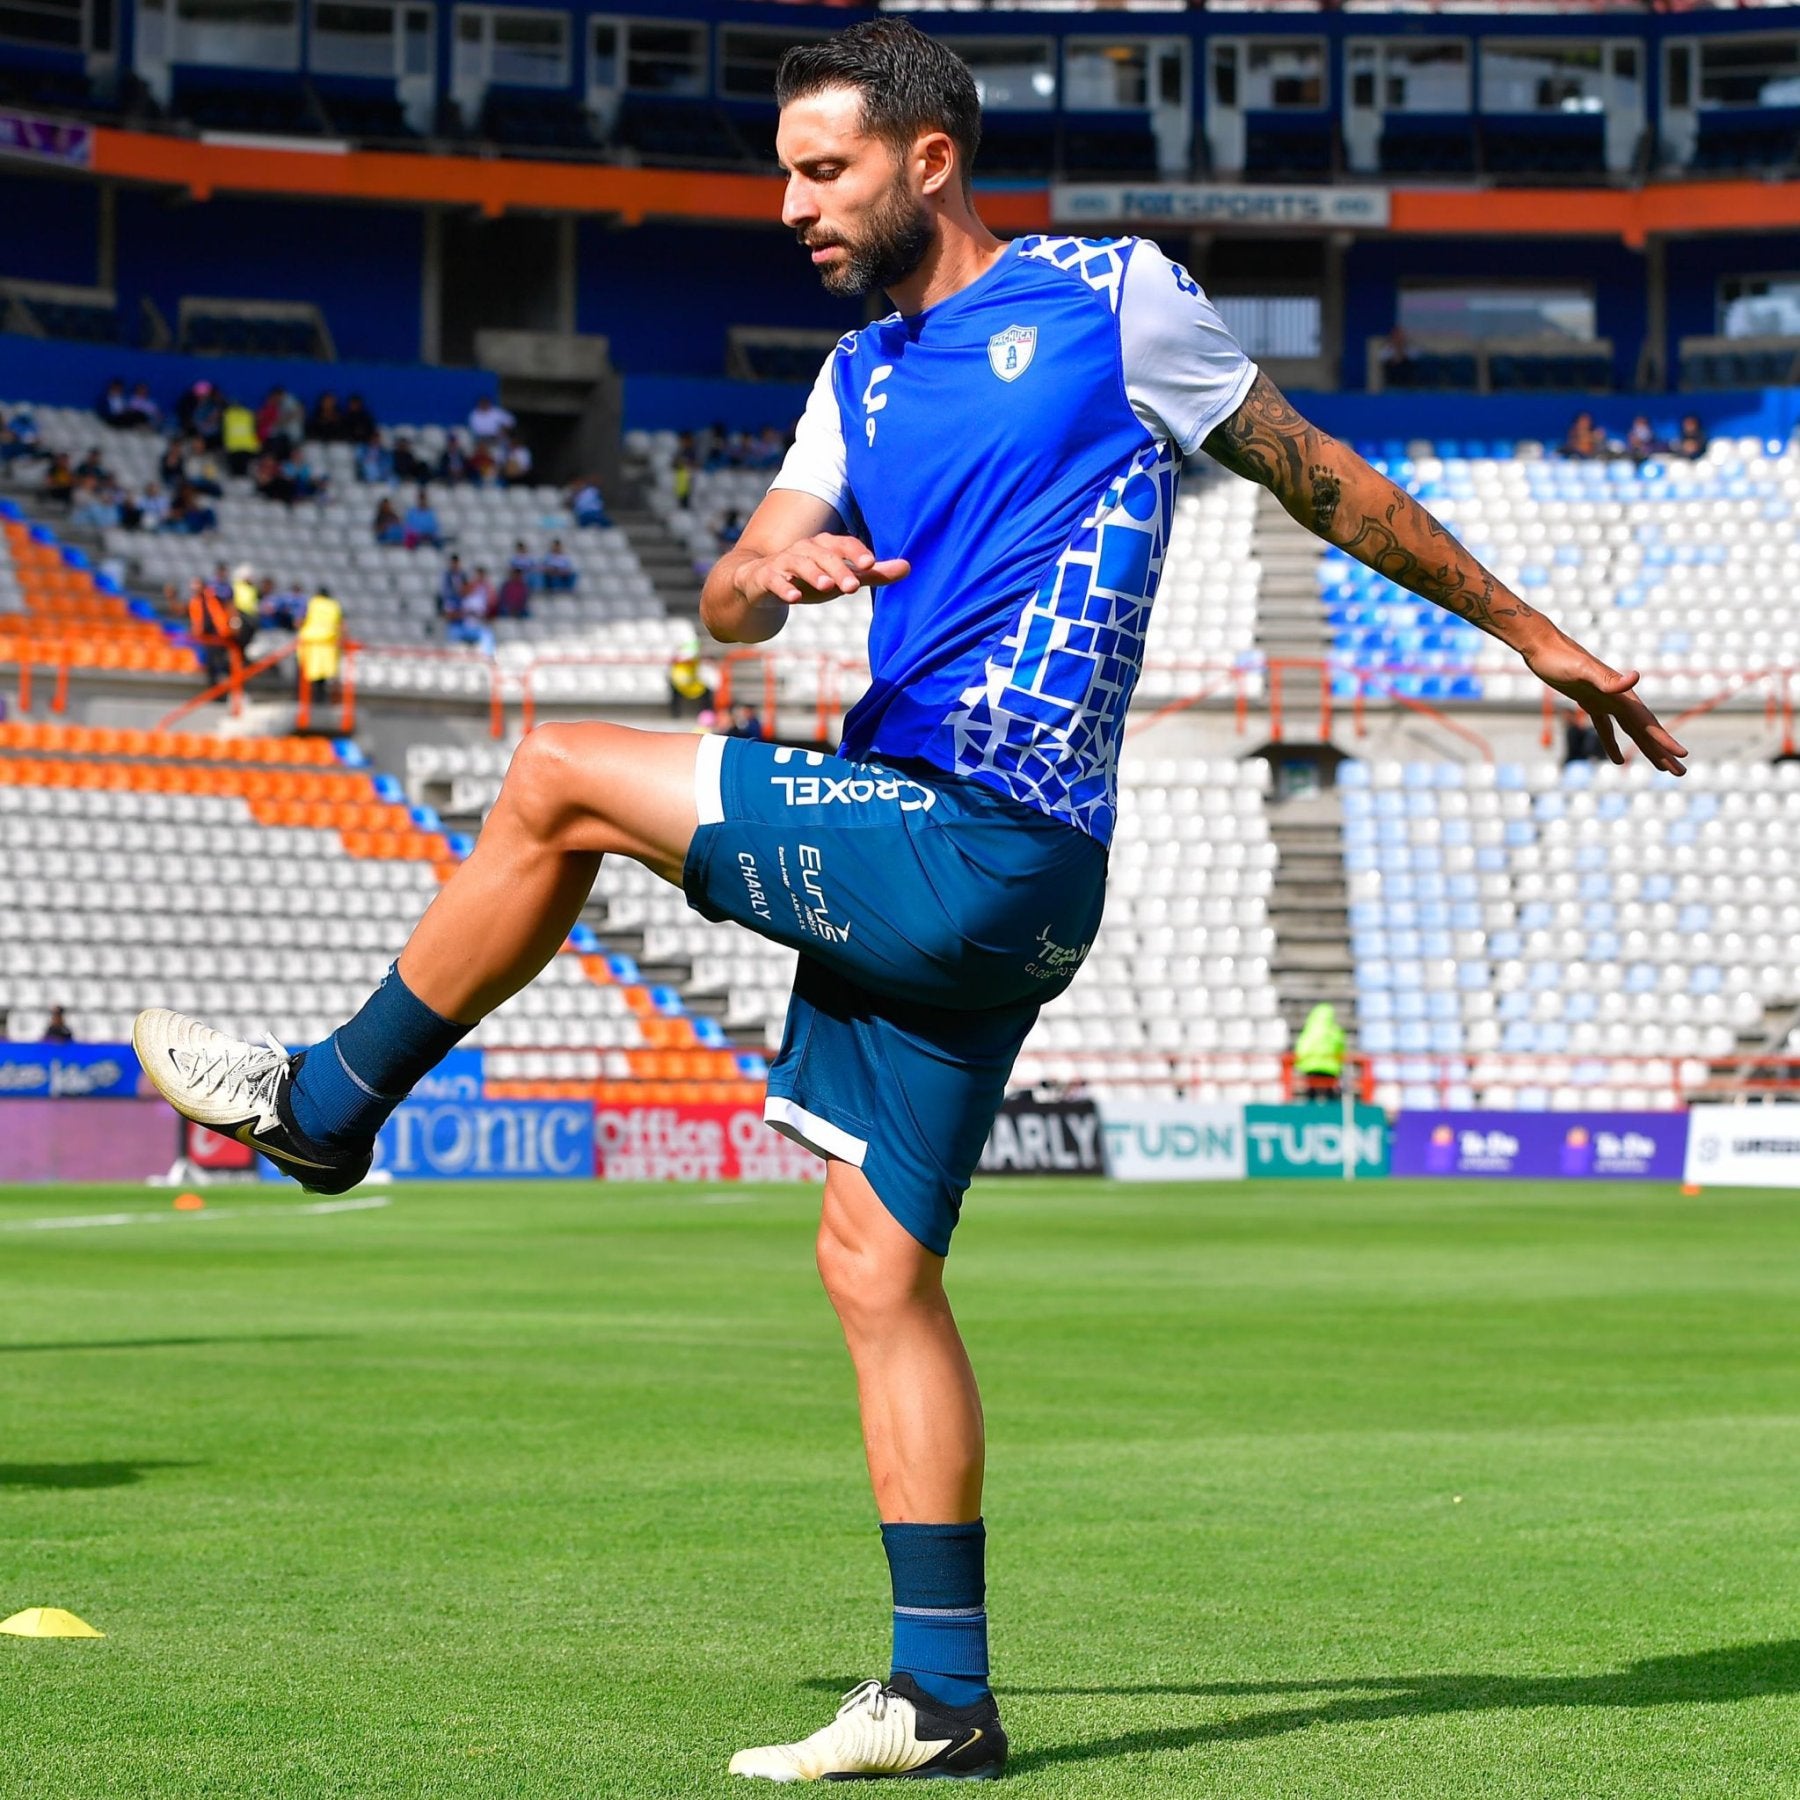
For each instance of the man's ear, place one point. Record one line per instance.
(936, 154)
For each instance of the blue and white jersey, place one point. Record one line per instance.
(1019, 443)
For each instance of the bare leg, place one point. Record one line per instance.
(572, 794)
(921, 1413)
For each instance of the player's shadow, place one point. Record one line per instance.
(81, 1474)
(1704, 1677)
(164, 1343)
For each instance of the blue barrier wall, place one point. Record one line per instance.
(666, 294)
(52, 230)
(62, 374)
(359, 264)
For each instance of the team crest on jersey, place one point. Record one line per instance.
(1010, 351)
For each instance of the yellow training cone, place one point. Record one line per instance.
(48, 1621)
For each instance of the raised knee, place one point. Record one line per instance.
(541, 788)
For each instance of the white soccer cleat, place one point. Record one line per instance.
(236, 1088)
(887, 1732)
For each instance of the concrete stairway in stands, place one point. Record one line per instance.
(1290, 618)
(664, 558)
(1309, 909)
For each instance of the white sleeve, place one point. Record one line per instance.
(1184, 372)
(815, 462)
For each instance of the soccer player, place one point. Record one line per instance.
(998, 460)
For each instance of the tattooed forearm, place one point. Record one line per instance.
(1337, 496)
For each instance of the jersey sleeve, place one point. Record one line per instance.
(1184, 372)
(816, 462)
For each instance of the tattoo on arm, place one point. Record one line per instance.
(1339, 498)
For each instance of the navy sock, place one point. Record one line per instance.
(347, 1086)
(940, 1608)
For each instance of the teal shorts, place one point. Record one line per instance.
(933, 917)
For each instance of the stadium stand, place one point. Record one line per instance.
(1526, 935)
(140, 855)
(1658, 564)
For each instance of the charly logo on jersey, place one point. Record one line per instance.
(1010, 351)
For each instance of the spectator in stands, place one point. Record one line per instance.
(59, 481)
(409, 465)
(247, 598)
(745, 722)
(730, 529)
(484, 465)
(688, 689)
(374, 461)
(450, 589)
(769, 448)
(1641, 441)
(514, 599)
(58, 1030)
(469, 624)
(281, 422)
(489, 421)
(283, 608)
(5, 1025)
(94, 504)
(92, 467)
(273, 479)
(141, 408)
(114, 405)
(1319, 1054)
(515, 464)
(201, 411)
(189, 513)
(422, 523)
(131, 511)
(1581, 742)
(1396, 359)
(558, 569)
(389, 527)
(19, 437)
(359, 422)
(454, 465)
(325, 424)
(239, 437)
(1690, 441)
(1585, 440)
(211, 628)
(152, 508)
(321, 642)
(683, 476)
(586, 504)
(524, 564)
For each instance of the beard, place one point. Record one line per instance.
(891, 244)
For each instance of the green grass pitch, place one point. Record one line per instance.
(1294, 1490)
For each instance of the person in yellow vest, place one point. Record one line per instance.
(246, 603)
(688, 690)
(239, 437)
(1319, 1054)
(321, 642)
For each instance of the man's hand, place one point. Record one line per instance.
(823, 567)
(1330, 490)
(1608, 698)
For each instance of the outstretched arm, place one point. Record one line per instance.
(1330, 490)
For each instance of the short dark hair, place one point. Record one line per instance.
(910, 83)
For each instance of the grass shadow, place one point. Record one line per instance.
(81, 1474)
(165, 1343)
(1702, 1677)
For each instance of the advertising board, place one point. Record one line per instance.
(1309, 1141)
(488, 1140)
(696, 1143)
(1744, 1146)
(84, 1140)
(1173, 1140)
(1045, 1137)
(1563, 1146)
(69, 1071)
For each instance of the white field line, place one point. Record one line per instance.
(86, 1221)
